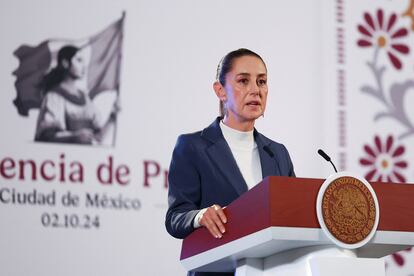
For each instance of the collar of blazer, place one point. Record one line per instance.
(221, 155)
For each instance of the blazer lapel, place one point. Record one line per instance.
(220, 153)
(268, 162)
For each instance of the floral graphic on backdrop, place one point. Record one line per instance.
(399, 257)
(384, 35)
(384, 160)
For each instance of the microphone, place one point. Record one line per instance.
(327, 158)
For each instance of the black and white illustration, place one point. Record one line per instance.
(75, 86)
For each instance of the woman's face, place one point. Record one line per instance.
(246, 89)
(77, 66)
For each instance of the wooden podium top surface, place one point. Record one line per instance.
(291, 202)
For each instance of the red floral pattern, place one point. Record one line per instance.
(398, 258)
(381, 33)
(384, 161)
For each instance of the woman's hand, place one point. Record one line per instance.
(84, 136)
(116, 108)
(214, 219)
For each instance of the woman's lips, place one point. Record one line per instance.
(254, 103)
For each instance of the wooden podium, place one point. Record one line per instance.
(274, 228)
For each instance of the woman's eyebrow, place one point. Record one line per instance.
(243, 74)
(248, 74)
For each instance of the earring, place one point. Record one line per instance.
(224, 108)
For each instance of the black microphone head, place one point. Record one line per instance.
(324, 155)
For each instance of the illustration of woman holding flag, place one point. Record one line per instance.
(78, 98)
(67, 113)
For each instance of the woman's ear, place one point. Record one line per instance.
(220, 91)
(65, 63)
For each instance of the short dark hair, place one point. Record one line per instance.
(227, 61)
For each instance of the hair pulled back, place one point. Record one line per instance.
(226, 65)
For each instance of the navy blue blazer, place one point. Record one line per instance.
(204, 172)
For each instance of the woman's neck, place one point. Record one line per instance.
(70, 87)
(237, 124)
(71, 92)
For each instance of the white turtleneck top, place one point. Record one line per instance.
(245, 152)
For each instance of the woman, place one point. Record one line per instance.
(211, 168)
(67, 114)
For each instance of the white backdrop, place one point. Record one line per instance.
(170, 53)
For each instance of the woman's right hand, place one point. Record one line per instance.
(214, 219)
